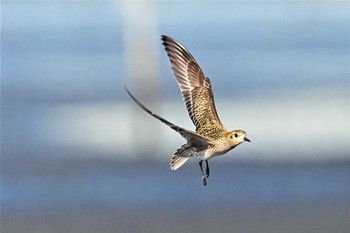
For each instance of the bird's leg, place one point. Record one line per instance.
(207, 170)
(204, 179)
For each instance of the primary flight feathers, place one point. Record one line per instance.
(195, 87)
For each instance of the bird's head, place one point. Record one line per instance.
(236, 137)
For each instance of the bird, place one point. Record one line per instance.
(210, 137)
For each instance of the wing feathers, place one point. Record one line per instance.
(195, 87)
(191, 137)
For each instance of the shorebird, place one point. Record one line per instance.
(211, 138)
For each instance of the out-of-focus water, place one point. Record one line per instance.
(107, 183)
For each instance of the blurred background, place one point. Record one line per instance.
(77, 155)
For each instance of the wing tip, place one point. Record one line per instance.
(171, 42)
(165, 37)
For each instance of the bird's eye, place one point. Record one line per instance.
(236, 135)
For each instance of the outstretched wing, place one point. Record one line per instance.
(195, 87)
(191, 137)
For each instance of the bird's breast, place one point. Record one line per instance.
(217, 149)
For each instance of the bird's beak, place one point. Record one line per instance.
(247, 139)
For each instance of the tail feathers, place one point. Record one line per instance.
(177, 161)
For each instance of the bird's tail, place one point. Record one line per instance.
(177, 161)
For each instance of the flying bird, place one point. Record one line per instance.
(210, 138)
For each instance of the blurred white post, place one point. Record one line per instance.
(141, 40)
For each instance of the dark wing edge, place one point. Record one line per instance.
(190, 136)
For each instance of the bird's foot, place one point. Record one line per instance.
(204, 180)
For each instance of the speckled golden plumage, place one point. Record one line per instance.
(211, 138)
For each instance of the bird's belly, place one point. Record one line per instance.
(210, 153)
